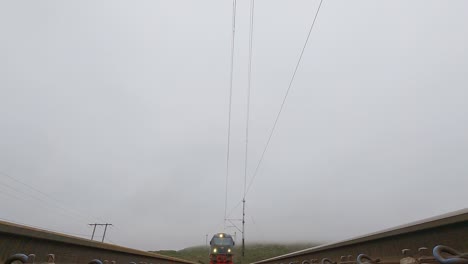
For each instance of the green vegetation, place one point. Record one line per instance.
(253, 252)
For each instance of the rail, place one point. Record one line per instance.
(435, 240)
(22, 244)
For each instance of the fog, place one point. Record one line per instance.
(117, 112)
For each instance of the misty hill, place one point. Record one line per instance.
(254, 252)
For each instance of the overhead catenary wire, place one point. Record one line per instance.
(252, 4)
(40, 202)
(43, 200)
(249, 77)
(234, 7)
(46, 198)
(284, 99)
(42, 228)
(249, 83)
(234, 208)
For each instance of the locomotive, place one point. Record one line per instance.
(221, 249)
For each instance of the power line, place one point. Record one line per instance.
(234, 208)
(44, 200)
(56, 202)
(285, 97)
(234, 3)
(252, 3)
(38, 200)
(42, 228)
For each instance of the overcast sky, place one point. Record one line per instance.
(117, 111)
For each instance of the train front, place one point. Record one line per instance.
(222, 248)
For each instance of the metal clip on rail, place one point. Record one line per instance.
(95, 261)
(51, 259)
(16, 257)
(455, 258)
(408, 258)
(424, 257)
(363, 258)
(20, 257)
(327, 261)
(347, 259)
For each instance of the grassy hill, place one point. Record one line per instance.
(253, 252)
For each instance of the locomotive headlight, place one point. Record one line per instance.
(220, 235)
(215, 250)
(229, 250)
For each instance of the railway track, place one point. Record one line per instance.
(438, 240)
(441, 239)
(22, 244)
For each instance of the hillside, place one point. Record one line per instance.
(254, 252)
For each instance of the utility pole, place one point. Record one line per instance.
(94, 230)
(240, 230)
(243, 227)
(105, 229)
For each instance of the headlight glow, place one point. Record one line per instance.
(215, 250)
(220, 235)
(229, 250)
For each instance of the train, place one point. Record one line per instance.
(221, 249)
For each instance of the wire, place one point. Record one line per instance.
(44, 200)
(43, 228)
(38, 200)
(285, 97)
(234, 3)
(56, 202)
(234, 208)
(252, 5)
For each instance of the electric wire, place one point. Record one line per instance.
(234, 208)
(43, 200)
(53, 201)
(234, 4)
(249, 77)
(42, 228)
(284, 98)
(252, 4)
(38, 200)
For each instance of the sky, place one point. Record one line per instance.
(117, 112)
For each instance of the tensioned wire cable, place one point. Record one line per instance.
(252, 5)
(284, 98)
(21, 194)
(43, 228)
(46, 198)
(234, 3)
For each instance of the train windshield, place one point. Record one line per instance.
(223, 241)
